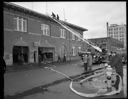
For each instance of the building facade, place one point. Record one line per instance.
(117, 32)
(31, 37)
(106, 43)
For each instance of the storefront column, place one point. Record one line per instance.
(37, 56)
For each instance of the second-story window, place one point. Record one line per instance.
(20, 24)
(79, 49)
(73, 37)
(62, 33)
(45, 29)
(73, 51)
(79, 39)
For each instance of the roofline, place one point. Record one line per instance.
(75, 26)
(104, 38)
(99, 38)
(23, 9)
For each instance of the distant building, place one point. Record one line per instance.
(31, 37)
(117, 32)
(106, 43)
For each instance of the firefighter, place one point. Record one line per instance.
(116, 63)
(53, 15)
(57, 17)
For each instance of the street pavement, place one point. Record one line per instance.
(18, 82)
(21, 81)
(62, 91)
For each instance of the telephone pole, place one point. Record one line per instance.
(46, 10)
(64, 15)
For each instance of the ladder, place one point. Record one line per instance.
(77, 34)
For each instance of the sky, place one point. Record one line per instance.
(90, 15)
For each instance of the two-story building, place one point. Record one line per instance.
(31, 37)
(111, 44)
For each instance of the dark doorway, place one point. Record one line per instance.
(20, 54)
(45, 54)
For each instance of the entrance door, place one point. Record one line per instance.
(20, 54)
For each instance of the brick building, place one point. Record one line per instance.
(108, 43)
(31, 37)
(117, 32)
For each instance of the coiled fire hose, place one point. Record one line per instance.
(85, 79)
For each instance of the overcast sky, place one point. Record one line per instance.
(90, 15)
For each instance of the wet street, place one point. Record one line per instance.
(41, 83)
(62, 91)
(59, 90)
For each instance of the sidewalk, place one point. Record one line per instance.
(33, 66)
(18, 82)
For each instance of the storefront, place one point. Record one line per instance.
(45, 51)
(46, 54)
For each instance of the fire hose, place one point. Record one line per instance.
(95, 74)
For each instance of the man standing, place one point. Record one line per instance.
(116, 63)
(85, 62)
(57, 17)
(89, 62)
(53, 15)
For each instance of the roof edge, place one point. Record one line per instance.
(41, 15)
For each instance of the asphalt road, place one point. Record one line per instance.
(21, 81)
(62, 91)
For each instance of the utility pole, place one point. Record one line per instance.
(46, 10)
(64, 15)
(32, 6)
(107, 29)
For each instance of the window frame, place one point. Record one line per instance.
(73, 37)
(63, 33)
(73, 51)
(45, 28)
(21, 24)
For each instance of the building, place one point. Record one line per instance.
(31, 37)
(106, 43)
(117, 32)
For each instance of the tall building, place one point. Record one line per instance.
(31, 37)
(111, 44)
(117, 32)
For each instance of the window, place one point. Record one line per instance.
(79, 39)
(62, 33)
(20, 24)
(73, 37)
(45, 29)
(79, 49)
(73, 51)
